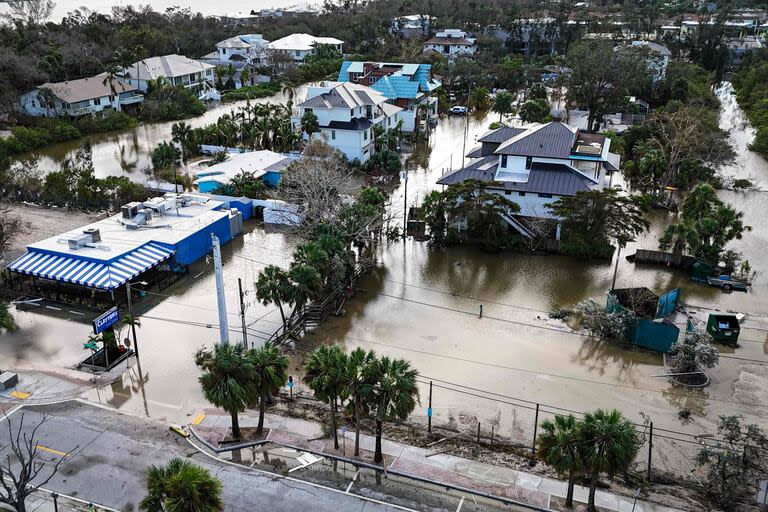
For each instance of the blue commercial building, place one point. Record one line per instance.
(147, 241)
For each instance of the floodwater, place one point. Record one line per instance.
(423, 304)
(129, 152)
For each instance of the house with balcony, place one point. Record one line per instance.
(299, 46)
(246, 49)
(347, 114)
(535, 166)
(408, 86)
(658, 58)
(75, 98)
(178, 70)
(451, 43)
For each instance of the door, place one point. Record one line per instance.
(668, 303)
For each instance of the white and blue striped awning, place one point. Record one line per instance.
(107, 276)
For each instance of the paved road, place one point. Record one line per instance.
(110, 453)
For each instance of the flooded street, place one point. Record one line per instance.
(423, 304)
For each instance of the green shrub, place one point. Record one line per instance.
(106, 122)
(171, 104)
(384, 160)
(251, 92)
(165, 155)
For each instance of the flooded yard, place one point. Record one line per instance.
(423, 304)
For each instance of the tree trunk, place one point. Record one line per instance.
(235, 425)
(357, 429)
(282, 313)
(592, 489)
(262, 408)
(569, 494)
(332, 403)
(378, 457)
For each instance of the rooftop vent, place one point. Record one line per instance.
(93, 233)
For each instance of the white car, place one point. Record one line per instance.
(458, 109)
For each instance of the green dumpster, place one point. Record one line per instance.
(724, 328)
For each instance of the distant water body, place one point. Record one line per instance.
(207, 7)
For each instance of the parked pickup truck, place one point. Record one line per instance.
(726, 283)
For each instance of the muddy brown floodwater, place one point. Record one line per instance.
(423, 304)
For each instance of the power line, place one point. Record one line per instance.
(536, 372)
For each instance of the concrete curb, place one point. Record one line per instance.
(357, 463)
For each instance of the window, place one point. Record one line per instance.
(507, 192)
(528, 162)
(97, 101)
(365, 135)
(545, 195)
(503, 160)
(298, 53)
(351, 112)
(333, 134)
(307, 110)
(521, 194)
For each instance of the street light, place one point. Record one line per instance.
(130, 312)
(55, 497)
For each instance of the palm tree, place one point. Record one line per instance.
(245, 76)
(676, 237)
(358, 363)
(502, 104)
(228, 379)
(219, 71)
(610, 444)
(309, 124)
(270, 371)
(290, 92)
(478, 97)
(6, 318)
(390, 391)
(110, 77)
(132, 322)
(325, 377)
(306, 283)
(182, 133)
(273, 287)
(559, 446)
(181, 486)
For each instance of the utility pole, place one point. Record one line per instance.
(616, 269)
(429, 410)
(221, 299)
(405, 200)
(242, 310)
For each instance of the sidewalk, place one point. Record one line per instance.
(495, 480)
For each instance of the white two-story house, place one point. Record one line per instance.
(176, 69)
(347, 114)
(246, 48)
(451, 43)
(299, 46)
(535, 166)
(76, 98)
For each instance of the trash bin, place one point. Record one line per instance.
(724, 328)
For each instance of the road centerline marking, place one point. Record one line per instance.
(51, 450)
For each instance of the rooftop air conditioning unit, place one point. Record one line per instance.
(588, 150)
(130, 210)
(93, 233)
(79, 241)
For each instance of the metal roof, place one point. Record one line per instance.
(550, 140)
(346, 95)
(409, 81)
(500, 135)
(302, 42)
(357, 124)
(107, 276)
(544, 178)
(168, 66)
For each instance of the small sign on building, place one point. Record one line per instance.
(108, 319)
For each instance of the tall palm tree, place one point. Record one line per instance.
(560, 447)
(479, 97)
(325, 377)
(6, 318)
(182, 133)
(273, 287)
(677, 238)
(270, 371)
(502, 103)
(610, 444)
(290, 93)
(358, 362)
(306, 283)
(390, 391)
(181, 486)
(110, 77)
(228, 379)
